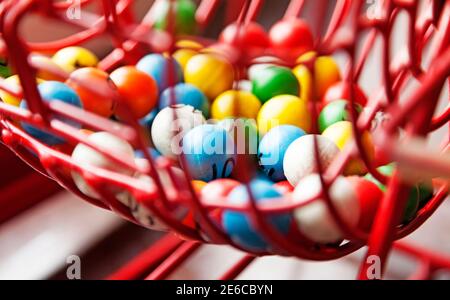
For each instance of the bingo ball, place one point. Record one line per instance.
(182, 56)
(171, 124)
(341, 133)
(284, 187)
(136, 89)
(12, 82)
(272, 148)
(369, 196)
(335, 111)
(290, 38)
(219, 188)
(251, 36)
(95, 89)
(284, 110)
(211, 73)
(187, 94)
(184, 16)
(341, 90)
(271, 81)
(244, 133)
(326, 73)
(314, 220)
(51, 91)
(198, 185)
(209, 152)
(86, 156)
(147, 121)
(235, 104)
(300, 160)
(166, 71)
(72, 58)
(4, 69)
(238, 225)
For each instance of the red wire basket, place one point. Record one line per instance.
(352, 30)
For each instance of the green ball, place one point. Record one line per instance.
(334, 112)
(185, 22)
(4, 69)
(272, 81)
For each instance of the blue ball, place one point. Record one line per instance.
(238, 225)
(272, 148)
(209, 152)
(153, 152)
(188, 94)
(158, 67)
(50, 91)
(147, 121)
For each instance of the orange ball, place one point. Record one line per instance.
(137, 89)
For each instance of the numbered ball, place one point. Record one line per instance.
(95, 90)
(341, 133)
(51, 91)
(238, 224)
(326, 73)
(290, 38)
(184, 16)
(137, 90)
(72, 58)
(244, 133)
(335, 111)
(341, 90)
(86, 156)
(250, 36)
(211, 73)
(284, 110)
(272, 81)
(235, 104)
(209, 152)
(314, 220)
(171, 124)
(187, 94)
(166, 71)
(273, 147)
(300, 160)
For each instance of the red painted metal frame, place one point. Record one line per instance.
(428, 27)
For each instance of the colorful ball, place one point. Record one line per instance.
(184, 16)
(326, 73)
(235, 104)
(72, 58)
(209, 152)
(272, 81)
(51, 91)
(211, 73)
(136, 89)
(244, 133)
(171, 124)
(314, 219)
(12, 82)
(272, 149)
(166, 71)
(5, 71)
(284, 110)
(182, 56)
(249, 36)
(335, 111)
(239, 226)
(300, 160)
(341, 90)
(185, 93)
(95, 89)
(341, 133)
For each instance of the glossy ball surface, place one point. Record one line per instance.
(238, 225)
(72, 58)
(284, 110)
(187, 94)
(235, 104)
(184, 16)
(249, 36)
(272, 81)
(314, 220)
(209, 152)
(299, 160)
(182, 56)
(161, 69)
(341, 90)
(335, 111)
(12, 82)
(272, 149)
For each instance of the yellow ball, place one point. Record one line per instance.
(188, 44)
(341, 134)
(326, 73)
(43, 74)
(284, 110)
(72, 58)
(210, 73)
(235, 104)
(182, 56)
(13, 81)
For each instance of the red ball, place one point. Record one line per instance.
(369, 196)
(290, 38)
(341, 90)
(251, 35)
(284, 187)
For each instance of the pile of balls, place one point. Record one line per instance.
(200, 116)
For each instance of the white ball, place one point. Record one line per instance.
(300, 161)
(167, 133)
(87, 156)
(314, 220)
